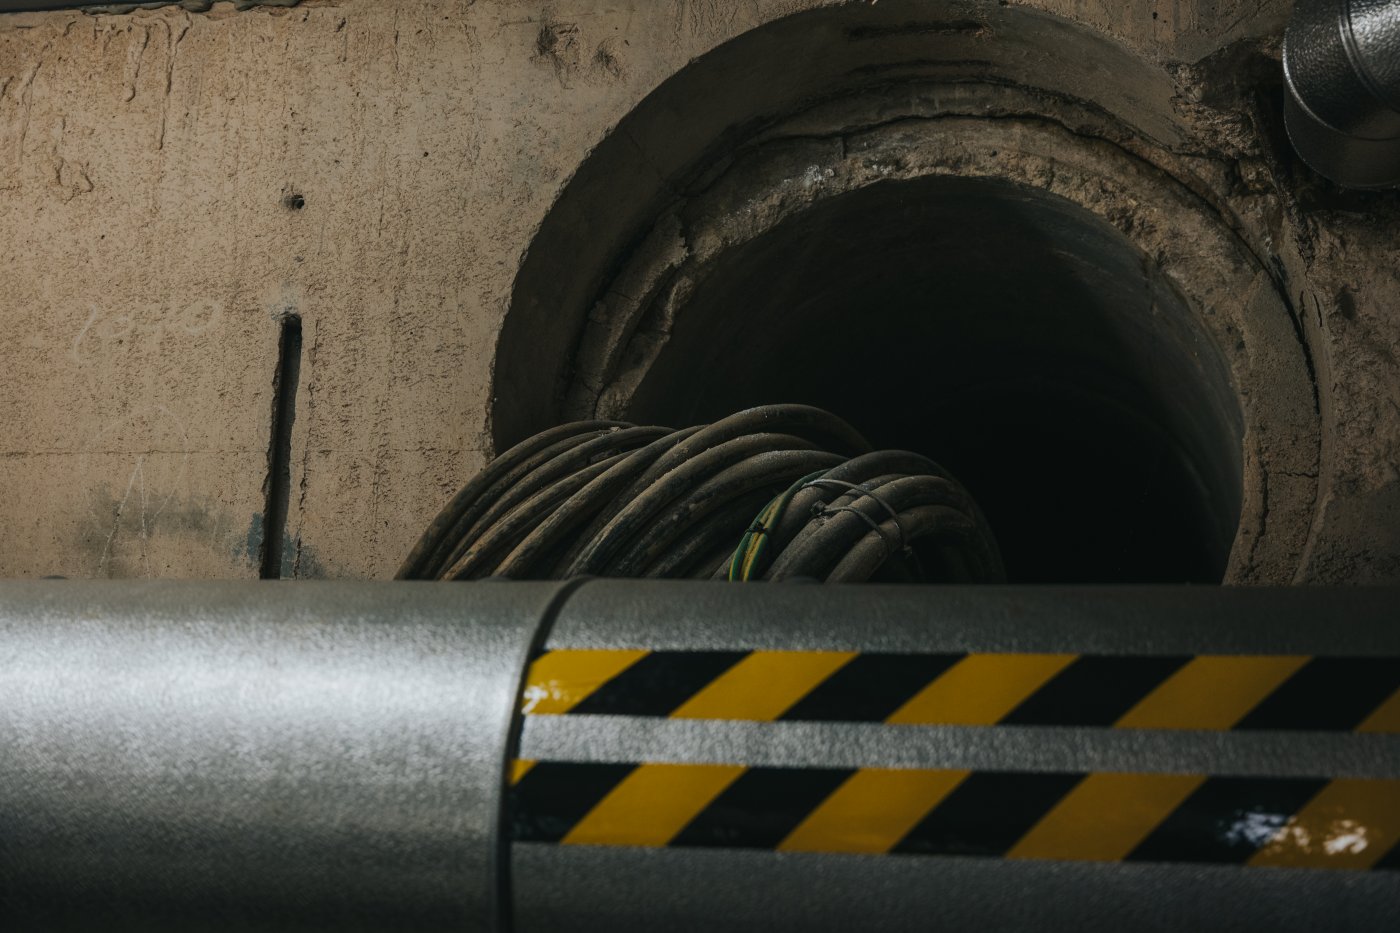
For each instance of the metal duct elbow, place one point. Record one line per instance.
(1341, 62)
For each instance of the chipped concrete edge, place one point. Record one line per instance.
(192, 6)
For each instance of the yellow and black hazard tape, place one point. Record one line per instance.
(1286, 822)
(1212, 692)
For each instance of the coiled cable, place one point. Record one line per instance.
(780, 492)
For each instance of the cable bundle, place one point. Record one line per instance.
(774, 493)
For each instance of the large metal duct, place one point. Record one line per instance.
(1341, 62)
(698, 756)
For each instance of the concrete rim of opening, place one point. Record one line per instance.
(974, 129)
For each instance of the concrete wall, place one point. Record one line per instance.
(174, 184)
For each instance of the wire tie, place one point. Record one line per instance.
(865, 491)
(873, 524)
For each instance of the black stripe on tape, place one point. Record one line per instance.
(658, 683)
(1227, 819)
(987, 813)
(870, 687)
(761, 807)
(1327, 694)
(1094, 690)
(554, 796)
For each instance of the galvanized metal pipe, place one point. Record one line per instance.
(1341, 64)
(385, 756)
(240, 757)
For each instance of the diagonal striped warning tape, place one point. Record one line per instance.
(759, 685)
(1302, 823)
(1347, 825)
(1105, 816)
(1212, 692)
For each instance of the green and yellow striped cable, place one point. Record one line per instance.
(753, 546)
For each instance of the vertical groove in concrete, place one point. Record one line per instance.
(279, 455)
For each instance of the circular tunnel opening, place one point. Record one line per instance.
(1010, 334)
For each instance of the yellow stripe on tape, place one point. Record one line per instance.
(1211, 692)
(652, 804)
(560, 680)
(1385, 718)
(980, 689)
(871, 811)
(519, 768)
(1105, 816)
(1351, 823)
(763, 686)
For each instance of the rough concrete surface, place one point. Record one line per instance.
(174, 184)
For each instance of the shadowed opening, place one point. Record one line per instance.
(1014, 337)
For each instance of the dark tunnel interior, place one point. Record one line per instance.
(1018, 339)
